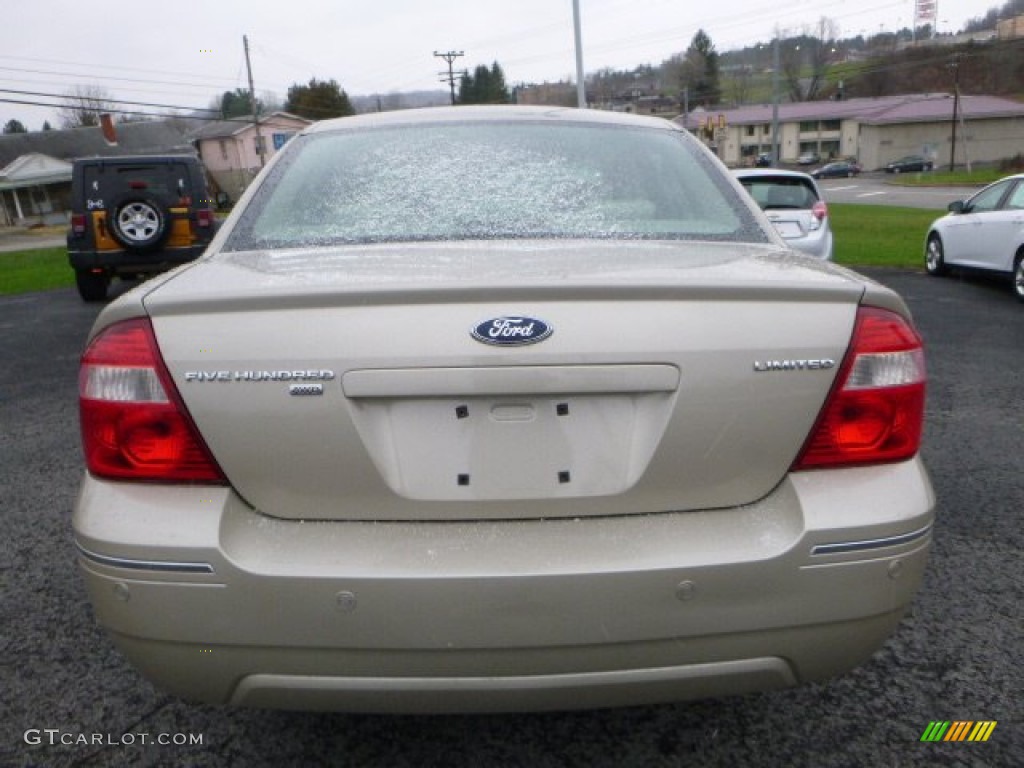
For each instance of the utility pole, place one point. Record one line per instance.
(775, 101)
(581, 88)
(260, 149)
(450, 57)
(955, 66)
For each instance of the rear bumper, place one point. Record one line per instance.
(215, 602)
(129, 262)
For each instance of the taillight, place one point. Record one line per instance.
(134, 425)
(78, 223)
(818, 213)
(875, 411)
(204, 217)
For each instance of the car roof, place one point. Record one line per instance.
(134, 159)
(490, 113)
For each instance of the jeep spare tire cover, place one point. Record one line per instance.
(138, 223)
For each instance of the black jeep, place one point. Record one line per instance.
(136, 216)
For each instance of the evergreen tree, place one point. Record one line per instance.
(318, 100)
(14, 126)
(703, 59)
(484, 86)
(47, 126)
(237, 103)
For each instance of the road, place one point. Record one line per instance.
(18, 239)
(878, 190)
(957, 656)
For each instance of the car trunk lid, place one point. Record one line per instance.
(347, 383)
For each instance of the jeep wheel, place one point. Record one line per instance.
(138, 223)
(92, 286)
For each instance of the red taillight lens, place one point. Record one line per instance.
(134, 424)
(78, 223)
(820, 210)
(204, 217)
(875, 412)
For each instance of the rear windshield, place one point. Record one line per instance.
(167, 182)
(492, 180)
(781, 192)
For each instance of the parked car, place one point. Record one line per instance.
(909, 163)
(500, 408)
(793, 203)
(809, 158)
(135, 216)
(984, 232)
(838, 169)
(764, 160)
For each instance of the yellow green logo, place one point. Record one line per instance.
(958, 730)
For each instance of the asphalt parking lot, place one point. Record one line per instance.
(68, 699)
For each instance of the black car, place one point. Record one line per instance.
(909, 163)
(135, 216)
(838, 169)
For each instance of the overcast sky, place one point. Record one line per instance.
(185, 53)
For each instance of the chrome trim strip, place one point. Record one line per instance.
(860, 546)
(144, 565)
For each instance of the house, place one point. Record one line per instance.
(35, 185)
(229, 149)
(35, 168)
(874, 130)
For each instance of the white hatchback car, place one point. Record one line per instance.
(482, 409)
(984, 232)
(794, 204)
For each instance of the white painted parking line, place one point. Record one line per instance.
(843, 189)
(871, 194)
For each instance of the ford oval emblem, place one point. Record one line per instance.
(511, 331)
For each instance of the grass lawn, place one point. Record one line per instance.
(865, 235)
(879, 235)
(38, 269)
(979, 177)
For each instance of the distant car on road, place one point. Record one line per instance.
(793, 202)
(838, 169)
(984, 232)
(809, 158)
(909, 163)
(764, 160)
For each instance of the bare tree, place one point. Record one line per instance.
(805, 60)
(83, 106)
(791, 56)
(739, 84)
(822, 48)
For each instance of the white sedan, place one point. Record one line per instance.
(984, 232)
(484, 409)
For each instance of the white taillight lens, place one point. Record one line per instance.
(875, 412)
(128, 385)
(891, 369)
(134, 425)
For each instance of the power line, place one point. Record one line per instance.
(111, 101)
